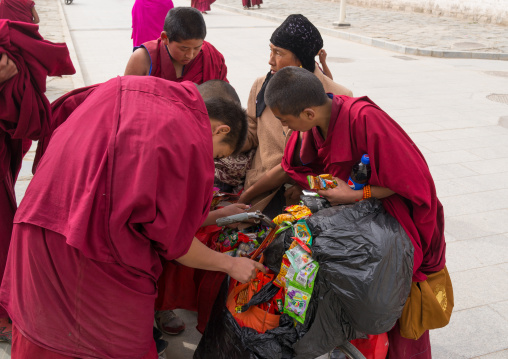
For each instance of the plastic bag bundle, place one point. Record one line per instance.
(225, 339)
(366, 266)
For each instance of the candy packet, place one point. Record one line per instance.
(302, 232)
(280, 280)
(297, 301)
(324, 181)
(299, 255)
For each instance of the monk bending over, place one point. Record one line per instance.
(90, 231)
(331, 133)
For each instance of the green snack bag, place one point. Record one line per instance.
(297, 301)
(302, 232)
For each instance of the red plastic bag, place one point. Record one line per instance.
(374, 347)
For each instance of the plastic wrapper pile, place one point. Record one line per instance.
(356, 272)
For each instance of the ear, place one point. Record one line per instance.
(164, 38)
(309, 114)
(221, 130)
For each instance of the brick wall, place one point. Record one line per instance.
(483, 11)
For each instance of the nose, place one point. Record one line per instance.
(271, 60)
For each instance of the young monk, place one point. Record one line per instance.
(296, 42)
(331, 134)
(84, 261)
(180, 54)
(19, 10)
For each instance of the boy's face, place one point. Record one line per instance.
(183, 51)
(297, 123)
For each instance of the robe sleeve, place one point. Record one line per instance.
(398, 164)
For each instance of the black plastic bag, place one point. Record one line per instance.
(225, 339)
(364, 278)
(315, 203)
(275, 250)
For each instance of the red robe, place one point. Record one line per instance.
(209, 64)
(17, 10)
(115, 191)
(25, 110)
(357, 126)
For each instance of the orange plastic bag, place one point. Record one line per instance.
(255, 317)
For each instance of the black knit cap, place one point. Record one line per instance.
(298, 35)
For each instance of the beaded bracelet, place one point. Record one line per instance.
(366, 192)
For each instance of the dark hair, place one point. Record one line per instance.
(293, 89)
(232, 114)
(184, 23)
(218, 88)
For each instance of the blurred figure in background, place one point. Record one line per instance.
(148, 19)
(19, 10)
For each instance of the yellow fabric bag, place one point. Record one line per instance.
(429, 305)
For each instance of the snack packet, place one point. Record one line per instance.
(299, 255)
(280, 280)
(283, 218)
(295, 208)
(307, 276)
(324, 181)
(297, 301)
(302, 232)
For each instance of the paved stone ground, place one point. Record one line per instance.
(444, 105)
(411, 33)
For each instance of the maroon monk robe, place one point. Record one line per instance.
(251, 3)
(357, 126)
(208, 65)
(115, 191)
(202, 5)
(25, 109)
(17, 10)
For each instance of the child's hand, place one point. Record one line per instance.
(342, 194)
(322, 56)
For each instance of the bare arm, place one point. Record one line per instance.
(322, 59)
(272, 179)
(35, 15)
(139, 63)
(343, 194)
(8, 68)
(202, 257)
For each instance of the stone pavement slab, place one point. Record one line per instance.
(404, 32)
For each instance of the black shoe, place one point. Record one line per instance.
(161, 345)
(157, 334)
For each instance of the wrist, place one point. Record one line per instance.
(357, 195)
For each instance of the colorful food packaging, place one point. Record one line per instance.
(297, 301)
(302, 214)
(280, 280)
(302, 232)
(307, 276)
(281, 218)
(299, 255)
(324, 181)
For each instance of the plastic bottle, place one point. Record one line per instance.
(360, 174)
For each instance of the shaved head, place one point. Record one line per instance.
(218, 88)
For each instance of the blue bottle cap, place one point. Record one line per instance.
(365, 159)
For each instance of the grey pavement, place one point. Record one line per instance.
(456, 110)
(400, 31)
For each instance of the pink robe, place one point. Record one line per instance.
(357, 126)
(25, 112)
(148, 19)
(17, 10)
(127, 179)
